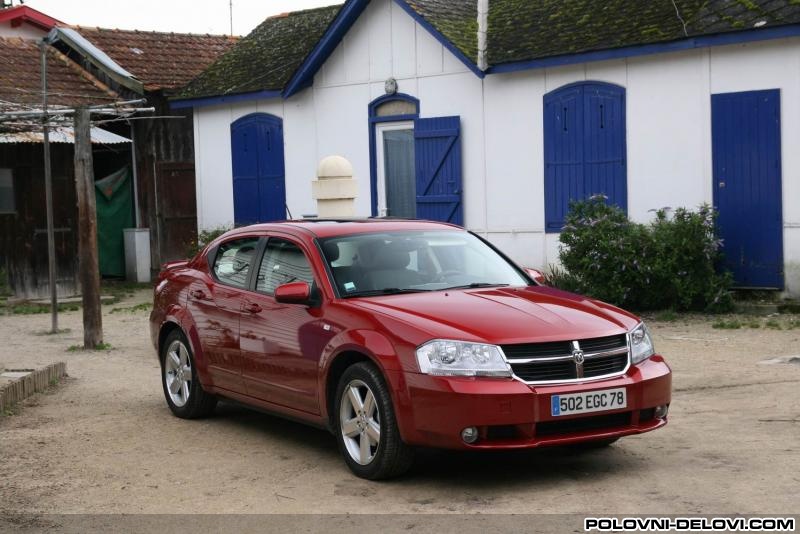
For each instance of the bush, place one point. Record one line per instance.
(667, 264)
(204, 237)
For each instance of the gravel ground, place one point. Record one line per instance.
(104, 442)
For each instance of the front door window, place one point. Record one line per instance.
(397, 188)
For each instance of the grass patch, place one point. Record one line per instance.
(773, 324)
(667, 316)
(731, 324)
(30, 308)
(144, 306)
(754, 324)
(99, 347)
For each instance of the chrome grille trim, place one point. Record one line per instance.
(588, 356)
(564, 358)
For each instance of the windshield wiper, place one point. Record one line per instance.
(386, 291)
(475, 285)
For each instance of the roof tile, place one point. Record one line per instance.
(20, 81)
(159, 60)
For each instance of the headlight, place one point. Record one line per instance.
(460, 358)
(641, 344)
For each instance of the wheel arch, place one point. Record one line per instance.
(172, 324)
(166, 329)
(336, 368)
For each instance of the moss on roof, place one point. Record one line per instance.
(457, 20)
(521, 30)
(267, 58)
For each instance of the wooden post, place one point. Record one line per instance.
(89, 269)
(48, 195)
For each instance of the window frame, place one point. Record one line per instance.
(373, 120)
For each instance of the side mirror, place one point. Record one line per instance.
(537, 275)
(294, 293)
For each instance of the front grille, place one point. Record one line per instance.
(553, 361)
(583, 424)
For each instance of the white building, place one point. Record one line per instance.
(505, 110)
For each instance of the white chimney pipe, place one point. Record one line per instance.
(483, 29)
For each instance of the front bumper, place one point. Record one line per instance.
(510, 414)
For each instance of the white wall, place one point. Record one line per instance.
(23, 31)
(668, 128)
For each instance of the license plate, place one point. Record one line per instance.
(590, 401)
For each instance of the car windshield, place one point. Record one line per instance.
(409, 261)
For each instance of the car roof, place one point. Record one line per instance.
(324, 228)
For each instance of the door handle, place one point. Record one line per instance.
(198, 294)
(722, 185)
(252, 307)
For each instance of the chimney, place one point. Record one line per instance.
(483, 29)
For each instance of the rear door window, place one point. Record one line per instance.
(233, 261)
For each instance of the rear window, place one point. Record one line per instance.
(233, 261)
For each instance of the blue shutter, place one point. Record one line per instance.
(746, 148)
(437, 149)
(244, 157)
(584, 148)
(259, 189)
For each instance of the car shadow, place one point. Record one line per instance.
(463, 470)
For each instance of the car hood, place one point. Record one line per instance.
(503, 315)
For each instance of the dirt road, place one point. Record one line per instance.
(104, 441)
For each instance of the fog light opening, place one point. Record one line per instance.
(469, 434)
(661, 411)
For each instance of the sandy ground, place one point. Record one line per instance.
(105, 442)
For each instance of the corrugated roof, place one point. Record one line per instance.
(160, 60)
(68, 84)
(267, 58)
(65, 135)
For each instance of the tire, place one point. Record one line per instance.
(357, 419)
(179, 372)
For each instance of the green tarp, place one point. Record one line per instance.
(114, 196)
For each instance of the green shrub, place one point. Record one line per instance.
(667, 264)
(204, 237)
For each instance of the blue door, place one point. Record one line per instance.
(437, 154)
(259, 189)
(746, 142)
(584, 148)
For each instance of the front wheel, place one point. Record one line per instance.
(366, 426)
(184, 394)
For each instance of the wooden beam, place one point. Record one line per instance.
(88, 268)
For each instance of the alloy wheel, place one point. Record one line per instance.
(178, 373)
(359, 420)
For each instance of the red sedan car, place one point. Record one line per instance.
(397, 334)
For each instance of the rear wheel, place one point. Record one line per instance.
(184, 394)
(366, 426)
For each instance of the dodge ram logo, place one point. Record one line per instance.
(577, 355)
